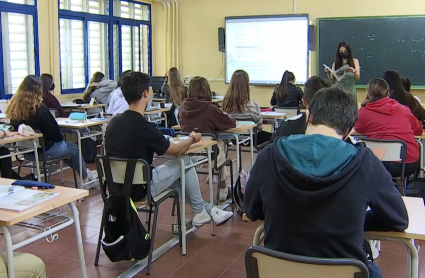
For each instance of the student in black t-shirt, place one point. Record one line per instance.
(130, 135)
(298, 123)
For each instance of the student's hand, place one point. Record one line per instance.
(196, 137)
(8, 133)
(351, 69)
(94, 84)
(326, 69)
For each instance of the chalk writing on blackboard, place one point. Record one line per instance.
(371, 37)
(359, 48)
(348, 36)
(370, 56)
(401, 40)
(417, 40)
(362, 69)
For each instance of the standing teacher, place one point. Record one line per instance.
(346, 67)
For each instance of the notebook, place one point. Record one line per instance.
(17, 198)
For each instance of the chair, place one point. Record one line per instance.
(167, 131)
(54, 112)
(289, 111)
(266, 263)
(217, 169)
(47, 164)
(396, 151)
(113, 171)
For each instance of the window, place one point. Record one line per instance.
(18, 44)
(109, 43)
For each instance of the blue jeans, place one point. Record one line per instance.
(374, 271)
(61, 149)
(167, 175)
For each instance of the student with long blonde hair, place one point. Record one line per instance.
(26, 107)
(197, 112)
(175, 92)
(238, 105)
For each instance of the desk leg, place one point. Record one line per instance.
(80, 154)
(79, 239)
(238, 154)
(37, 161)
(252, 146)
(165, 118)
(414, 257)
(9, 252)
(183, 204)
(211, 186)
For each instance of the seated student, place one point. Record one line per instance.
(286, 94)
(381, 117)
(130, 135)
(48, 98)
(398, 93)
(26, 266)
(315, 188)
(175, 92)
(238, 105)
(99, 88)
(117, 104)
(297, 124)
(197, 112)
(26, 107)
(6, 163)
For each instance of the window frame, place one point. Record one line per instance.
(110, 20)
(26, 10)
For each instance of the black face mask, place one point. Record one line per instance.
(52, 87)
(344, 55)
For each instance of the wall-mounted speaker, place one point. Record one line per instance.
(311, 37)
(221, 40)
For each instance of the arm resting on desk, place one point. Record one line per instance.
(387, 209)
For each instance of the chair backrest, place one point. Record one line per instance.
(108, 116)
(119, 169)
(289, 111)
(266, 263)
(54, 112)
(167, 131)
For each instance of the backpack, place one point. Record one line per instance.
(239, 190)
(125, 237)
(89, 150)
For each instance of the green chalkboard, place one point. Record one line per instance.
(379, 43)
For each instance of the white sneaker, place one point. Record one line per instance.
(375, 252)
(201, 218)
(220, 216)
(207, 180)
(91, 175)
(223, 194)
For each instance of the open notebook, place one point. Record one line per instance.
(17, 198)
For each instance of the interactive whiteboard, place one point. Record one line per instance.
(266, 46)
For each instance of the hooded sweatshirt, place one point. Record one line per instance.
(313, 192)
(102, 94)
(388, 119)
(204, 116)
(117, 104)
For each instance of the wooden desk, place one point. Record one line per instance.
(422, 136)
(158, 99)
(272, 115)
(70, 106)
(34, 139)
(379, 152)
(217, 99)
(9, 218)
(79, 128)
(415, 230)
(157, 111)
(238, 129)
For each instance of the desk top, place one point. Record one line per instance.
(158, 99)
(379, 152)
(67, 123)
(416, 230)
(157, 111)
(272, 115)
(217, 99)
(201, 145)
(67, 195)
(70, 105)
(19, 138)
(238, 129)
(422, 136)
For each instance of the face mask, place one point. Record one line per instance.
(344, 55)
(52, 87)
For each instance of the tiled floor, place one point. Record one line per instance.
(207, 256)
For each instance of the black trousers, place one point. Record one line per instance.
(6, 164)
(395, 168)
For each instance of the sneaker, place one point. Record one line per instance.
(375, 252)
(91, 175)
(220, 216)
(223, 194)
(201, 218)
(207, 180)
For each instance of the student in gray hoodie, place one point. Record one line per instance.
(99, 88)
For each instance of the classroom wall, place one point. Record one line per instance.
(200, 19)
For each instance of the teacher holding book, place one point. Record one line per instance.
(345, 69)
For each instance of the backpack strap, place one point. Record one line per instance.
(108, 172)
(129, 176)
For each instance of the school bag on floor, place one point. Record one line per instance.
(239, 190)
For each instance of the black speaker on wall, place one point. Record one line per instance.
(311, 37)
(221, 40)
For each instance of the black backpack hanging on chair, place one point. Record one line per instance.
(125, 237)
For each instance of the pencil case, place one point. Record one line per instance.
(78, 116)
(30, 184)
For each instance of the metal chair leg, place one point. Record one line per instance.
(155, 218)
(150, 217)
(179, 218)
(174, 208)
(96, 260)
(231, 180)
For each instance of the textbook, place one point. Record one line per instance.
(338, 74)
(17, 198)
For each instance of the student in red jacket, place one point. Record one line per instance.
(197, 112)
(381, 117)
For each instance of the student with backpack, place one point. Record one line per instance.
(382, 117)
(315, 188)
(130, 135)
(198, 113)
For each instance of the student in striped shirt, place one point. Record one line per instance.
(238, 105)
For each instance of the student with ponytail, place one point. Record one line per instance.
(382, 117)
(286, 94)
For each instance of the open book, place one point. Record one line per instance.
(17, 198)
(338, 74)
